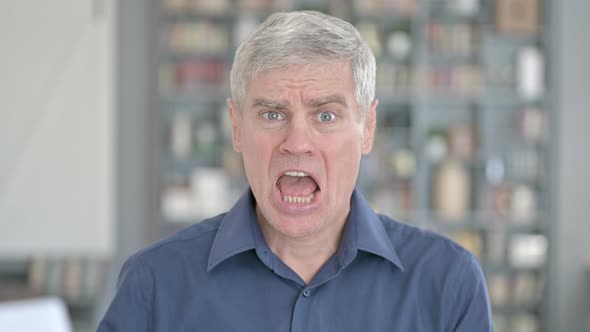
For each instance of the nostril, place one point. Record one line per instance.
(296, 141)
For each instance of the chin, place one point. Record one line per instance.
(295, 227)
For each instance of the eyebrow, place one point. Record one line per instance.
(317, 102)
(267, 103)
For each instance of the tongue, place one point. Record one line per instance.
(296, 186)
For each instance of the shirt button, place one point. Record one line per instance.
(306, 292)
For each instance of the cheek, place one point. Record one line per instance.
(256, 151)
(346, 158)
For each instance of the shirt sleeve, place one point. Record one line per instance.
(130, 309)
(470, 309)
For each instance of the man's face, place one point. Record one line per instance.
(301, 135)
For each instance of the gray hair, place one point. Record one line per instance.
(304, 37)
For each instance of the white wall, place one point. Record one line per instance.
(56, 127)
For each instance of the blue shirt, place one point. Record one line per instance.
(220, 275)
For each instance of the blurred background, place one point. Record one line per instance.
(114, 133)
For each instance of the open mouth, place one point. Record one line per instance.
(297, 187)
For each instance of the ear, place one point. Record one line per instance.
(235, 122)
(370, 127)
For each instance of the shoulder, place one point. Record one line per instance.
(192, 243)
(423, 249)
(404, 235)
(448, 275)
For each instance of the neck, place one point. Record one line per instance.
(305, 255)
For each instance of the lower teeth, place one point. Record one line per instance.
(298, 200)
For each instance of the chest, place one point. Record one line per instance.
(259, 300)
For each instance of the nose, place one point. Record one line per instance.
(297, 138)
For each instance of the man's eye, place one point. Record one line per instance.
(272, 115)
(326, 117)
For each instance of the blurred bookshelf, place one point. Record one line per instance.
(78, 280)
(463, 145)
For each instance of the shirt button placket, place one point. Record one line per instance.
(301, 312)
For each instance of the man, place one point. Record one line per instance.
(301, 250)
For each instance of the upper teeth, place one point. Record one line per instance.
(295, 173)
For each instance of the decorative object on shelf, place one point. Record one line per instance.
(395, 200)
(403, 163)
(465, 8)
(499, 289)
(461, 80)
(500, 200)
(462, 141)
(181, 136)
(518, 16)
(210, 188)
(523, 204)
(528, 250)
(532, 125)
(207, 7)
(201, 37)
(188, 199)
(386, 8)
(394, 80)
(451, 190)
(495, 170)
(176, 201)
(194, 75)
(399, 44)
(531, 72)
(436, 147)
(452, 39)
(206, 138)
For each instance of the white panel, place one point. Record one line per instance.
(47, 314)
(56, 135)
(570, 301)
(37, 42)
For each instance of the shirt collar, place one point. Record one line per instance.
(239, 232)
(365, 231)
(235, 234)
